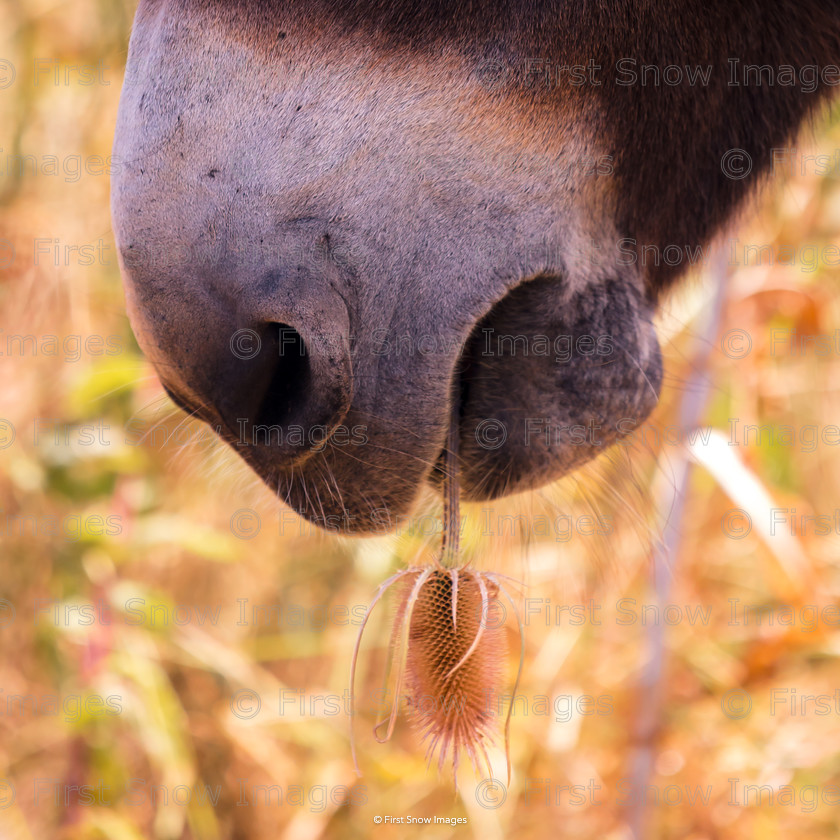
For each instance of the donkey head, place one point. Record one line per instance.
(345, 225)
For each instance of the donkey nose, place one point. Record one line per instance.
(289, 382)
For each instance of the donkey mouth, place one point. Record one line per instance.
(546, 380)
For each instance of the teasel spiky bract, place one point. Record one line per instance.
(447, 650)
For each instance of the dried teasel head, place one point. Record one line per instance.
(448, 640)
(456, 652)
(448, 649)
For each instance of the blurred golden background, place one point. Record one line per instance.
(176, 644)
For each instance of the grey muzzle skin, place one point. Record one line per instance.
(320, 237)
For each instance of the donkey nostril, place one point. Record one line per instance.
(291, 395)
(281, 380)
(291, 378)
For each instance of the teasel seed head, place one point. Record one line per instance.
(448, 648)
(455, 664)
